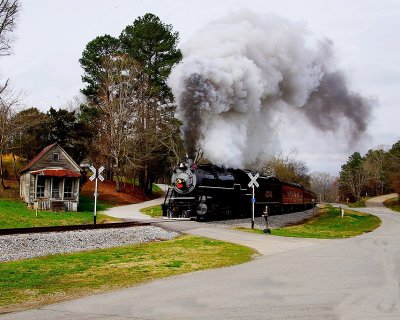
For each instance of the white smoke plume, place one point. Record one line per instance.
(239, 71)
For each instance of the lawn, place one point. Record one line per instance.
(35, 282)
(330, 224)
(393, 204)
(153, 211)
(15, 214)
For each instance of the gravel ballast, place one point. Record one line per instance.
(275, 221)
(24, 246)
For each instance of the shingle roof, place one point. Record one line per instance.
(37, 158)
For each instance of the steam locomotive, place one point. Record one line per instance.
(207, 191)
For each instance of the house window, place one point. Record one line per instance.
(68, 188)
(56, 157)
(40, 187)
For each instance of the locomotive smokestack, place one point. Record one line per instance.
(195, 99)
(240, 72)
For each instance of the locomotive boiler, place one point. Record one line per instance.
(207, 191)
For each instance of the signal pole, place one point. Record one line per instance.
(96, 176)
(253, 182)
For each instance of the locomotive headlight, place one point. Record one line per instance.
(184, 181)
(180, 183)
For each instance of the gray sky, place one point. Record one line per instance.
(51, 36)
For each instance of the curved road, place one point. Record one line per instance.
(356, 278)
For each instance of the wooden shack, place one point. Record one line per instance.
(50, 181)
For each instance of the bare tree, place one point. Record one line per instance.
(287, 168)
(118, 100)
(8, 15)
(12, 123)
(323, 184)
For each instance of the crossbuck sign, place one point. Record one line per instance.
(253, 182)
(96, 173)
(96, 176)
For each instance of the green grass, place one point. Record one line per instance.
(40, 281)
(155, 189)
(393, 204)
(153, 211)
(330, 224)
(15, 214)
(358, 204)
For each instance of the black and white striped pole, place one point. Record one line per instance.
(96, 176)
(253, 182)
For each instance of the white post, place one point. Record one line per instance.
(252, 211)
(95, 200)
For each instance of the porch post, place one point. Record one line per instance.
(35, 178)
(62, 189)
(51, 188)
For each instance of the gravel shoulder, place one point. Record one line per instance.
(275, 221)
(24, 246)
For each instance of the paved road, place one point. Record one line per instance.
(132, 211)
(357, 278)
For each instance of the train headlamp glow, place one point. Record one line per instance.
(179, 183)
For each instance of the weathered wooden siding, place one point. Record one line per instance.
(24, 187)
(48, 162)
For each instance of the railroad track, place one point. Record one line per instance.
(72, 227)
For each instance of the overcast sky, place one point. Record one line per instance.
(51, 36)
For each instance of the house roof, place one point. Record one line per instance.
(57, 173)
(37, 157)
(42, 153)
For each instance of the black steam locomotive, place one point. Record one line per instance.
(206, 191)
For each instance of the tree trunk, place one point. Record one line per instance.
(147, 181)
(2, 173)
(15, 169)
(117, 183)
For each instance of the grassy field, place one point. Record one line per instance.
(393, 204)
(329, 224)
(15, 214)
(35, 282)
(153, 211)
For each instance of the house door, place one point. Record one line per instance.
(55, 188)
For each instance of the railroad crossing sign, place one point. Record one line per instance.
(253, 179)
(101, 169)
(253, 182)
(96, 175)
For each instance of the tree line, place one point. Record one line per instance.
(126, 121)
(375, 173)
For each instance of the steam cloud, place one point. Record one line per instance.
(240, 71)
